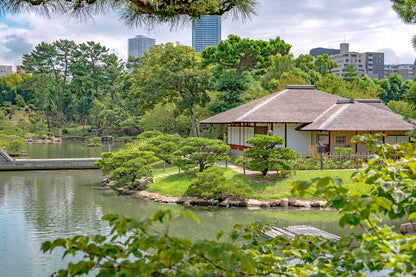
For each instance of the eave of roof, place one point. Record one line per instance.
(358, 116)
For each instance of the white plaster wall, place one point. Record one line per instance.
(234, 135)
(401, 139)
(297, 140)
(248, 133)
(279, 129)
(390, 139)
(396, 139)
(234, 132)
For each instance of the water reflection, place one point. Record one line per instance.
(36, 206)
(68, 150)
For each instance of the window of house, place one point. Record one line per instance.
(340, 139)
(323, 139)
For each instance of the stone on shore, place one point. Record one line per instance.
(408, 229)
(284, 202)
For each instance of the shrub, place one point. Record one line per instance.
(265, 156)
(201, 152)
(94, 141)
(138, 247)
(13, 145)
(126, 165)
(65, 131)
(213, 184)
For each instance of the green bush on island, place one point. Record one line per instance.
(95, 141)
(265, 156)
(201, 152)
(140, 248)
(126, 165)
(212, 183)
(164, 146)
(13, 145)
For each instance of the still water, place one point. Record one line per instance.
(36, 206)
(68, 150)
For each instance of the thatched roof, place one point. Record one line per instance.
(356, 116)
(317, 110)
(295, 104)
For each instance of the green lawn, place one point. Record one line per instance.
(265, 187)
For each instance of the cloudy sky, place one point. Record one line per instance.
(305, 24)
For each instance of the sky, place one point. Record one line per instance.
(368, 26)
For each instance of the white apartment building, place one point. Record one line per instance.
(5, 70)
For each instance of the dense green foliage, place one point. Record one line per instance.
(244, 54)
(134, 12)
(13, 145)
(138, 247)
(271, 186)
(265, 156)
(125, 166)
(135, 160)
(214, 185)
(202, 152)
(164, 146)
(170, 89)
(174, 74)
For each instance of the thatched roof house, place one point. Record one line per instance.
(305, 116)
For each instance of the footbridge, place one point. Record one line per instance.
(7, 163)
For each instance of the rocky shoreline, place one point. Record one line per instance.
(141, 192)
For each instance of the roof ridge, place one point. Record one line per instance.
(322, 114)
(261, 105)
(334, 115)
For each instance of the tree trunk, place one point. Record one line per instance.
(195, 130)
(47, 117)
(96, 91)
(240, 68)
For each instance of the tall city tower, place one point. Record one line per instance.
(206, 31)
(138, 44)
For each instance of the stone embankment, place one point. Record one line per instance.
(141, 192)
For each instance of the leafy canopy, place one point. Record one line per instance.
(125, 166)
(133, 12)
(202, 152)
(265, 156)
(242, 54)
(143, 248)
(173, 73)
(214, 185)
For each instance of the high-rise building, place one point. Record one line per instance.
(20, 70)
(206, 31)
(5, 70)
(315, 52)
(407, 71)
(368, 63)
(139, 44)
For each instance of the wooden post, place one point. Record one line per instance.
(285, 134)
(244, 164)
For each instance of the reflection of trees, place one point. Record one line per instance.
(71, 149)
(66, 203)
(61, 203)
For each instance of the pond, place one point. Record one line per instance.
(36, 206)
(68, 150)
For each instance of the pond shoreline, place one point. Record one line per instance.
(189, 201)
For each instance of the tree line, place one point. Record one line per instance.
(172, 87)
